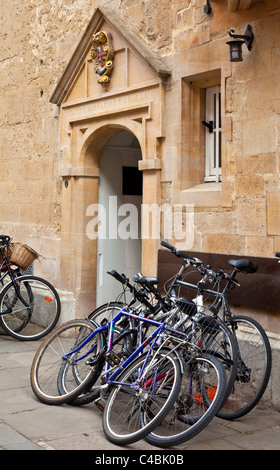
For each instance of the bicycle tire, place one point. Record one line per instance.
(191, 412)
(254, 367)
(51, 356)
(125, 407)
(24, 320)
(39, 315)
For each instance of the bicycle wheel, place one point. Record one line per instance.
(253, 369)
(54, 360)
(149, 389)
(201, 396)
(30, 310)
(215, 339)
(218, 341)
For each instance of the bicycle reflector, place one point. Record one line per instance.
(48, 299)
(211, 392)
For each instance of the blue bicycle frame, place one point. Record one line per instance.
(154, 336)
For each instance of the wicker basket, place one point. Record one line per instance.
(22, 255)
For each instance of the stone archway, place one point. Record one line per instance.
(89, 117)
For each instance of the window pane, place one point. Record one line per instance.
(220, 119)
(215, 111)
(220, 149)
(213, 154)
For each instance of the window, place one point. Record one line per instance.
(213, 155)
(131, 181)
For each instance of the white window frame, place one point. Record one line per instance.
(213, 150)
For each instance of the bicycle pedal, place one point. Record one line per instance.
(100, 406)
(100, 403)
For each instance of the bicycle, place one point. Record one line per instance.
(139, 388)
(212, 335)
(29, 305)
(254, 351)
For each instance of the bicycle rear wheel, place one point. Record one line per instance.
(135, 407)
(200, 397)
(253, 368)
(66, 363)
(30, 310)
(216, 340)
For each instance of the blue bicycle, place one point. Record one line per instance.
(165, 385)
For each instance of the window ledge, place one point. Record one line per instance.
(203, 195)
(204, 187)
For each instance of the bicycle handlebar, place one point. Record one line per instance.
(141, 296)
(180, 254)
(119, 277)
(205, 270)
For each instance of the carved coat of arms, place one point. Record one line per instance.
(102, 54)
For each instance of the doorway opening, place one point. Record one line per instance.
(119, 244)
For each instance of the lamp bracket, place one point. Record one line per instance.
(247, 37)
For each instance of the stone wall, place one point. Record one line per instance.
(239, 215)
(37, 40)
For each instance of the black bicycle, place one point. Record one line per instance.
(29, 305)
(254, 351)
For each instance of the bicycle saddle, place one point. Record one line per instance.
(244, 265)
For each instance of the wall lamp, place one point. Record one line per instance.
(235, 44)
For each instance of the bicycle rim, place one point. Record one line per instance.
(32, 315)
(253, 370)
(51, 368)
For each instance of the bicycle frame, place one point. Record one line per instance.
(201, 290)
(110, 379)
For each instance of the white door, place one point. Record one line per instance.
(119, 240)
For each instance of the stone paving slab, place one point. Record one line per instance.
(26, 423)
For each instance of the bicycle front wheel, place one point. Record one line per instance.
(201, 396)
(253, 367)
(66, 363)
(30, 309)
(149, 388)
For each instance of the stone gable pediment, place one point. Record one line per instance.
(135, 63)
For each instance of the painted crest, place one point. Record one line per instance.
(102, 54)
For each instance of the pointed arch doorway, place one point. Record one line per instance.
(119, 244)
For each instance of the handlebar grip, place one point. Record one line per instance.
(167, 245)
(180, 254)
(183, 254)
(117, 276)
